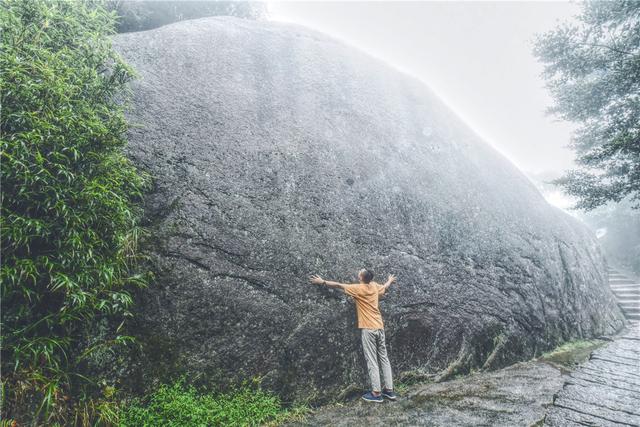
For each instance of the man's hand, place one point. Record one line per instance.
(388, 283)
(316, 280)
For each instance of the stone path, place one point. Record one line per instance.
(602, 391)
(514, 396)
(605, 390)
(627, 291)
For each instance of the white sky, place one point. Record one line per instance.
(476, 55)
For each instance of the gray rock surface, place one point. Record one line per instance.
(584, 384)
(513, 396)
(278, 153)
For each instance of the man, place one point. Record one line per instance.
(366, 295)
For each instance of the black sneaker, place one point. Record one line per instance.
(389, 394)
(370, 397)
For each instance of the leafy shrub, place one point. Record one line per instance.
(182, 405)
(69, 201)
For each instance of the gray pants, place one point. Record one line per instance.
(375, 349)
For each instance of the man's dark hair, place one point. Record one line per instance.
(367, 275)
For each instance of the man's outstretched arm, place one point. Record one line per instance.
(317, 280)
(384, 287)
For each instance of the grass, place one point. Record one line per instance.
(401, 388)
(570, 353)
(408, 381)
(180, 404)
(566, 355)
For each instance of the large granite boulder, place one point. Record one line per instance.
(278, 153)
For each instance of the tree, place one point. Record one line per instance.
(592, 68)
(70, 205)
(620, 239)
(149, 14)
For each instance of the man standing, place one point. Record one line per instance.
(366, 295)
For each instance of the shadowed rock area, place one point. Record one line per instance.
(278, 153)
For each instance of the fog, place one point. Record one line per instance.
(476, 56)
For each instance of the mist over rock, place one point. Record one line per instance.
(280, 152)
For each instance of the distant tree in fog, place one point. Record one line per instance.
(592, 68)
(145, 15)
(621, 239)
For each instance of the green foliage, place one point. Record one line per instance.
(182, 405)
(572, 352)
(69, 199)
(145, 14)
(592, 69)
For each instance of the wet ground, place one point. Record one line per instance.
(590, 383)
(515, 396)
(605, 390)
(596, 383)
(627, 291)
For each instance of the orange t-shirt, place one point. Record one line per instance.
(366, 297)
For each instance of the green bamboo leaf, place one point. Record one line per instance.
(68, 231)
